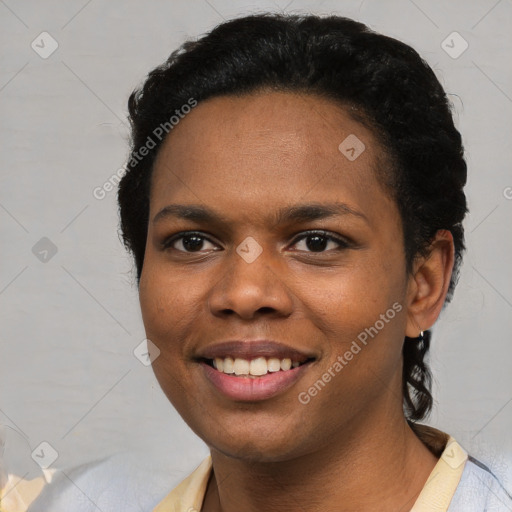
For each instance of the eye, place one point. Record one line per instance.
(188, 242)
(318, 241)
(312, 241)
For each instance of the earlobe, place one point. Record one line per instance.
(429, 284)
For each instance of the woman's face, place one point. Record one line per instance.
(252, 272)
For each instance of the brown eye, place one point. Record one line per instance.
(187, 242)
(320, 241)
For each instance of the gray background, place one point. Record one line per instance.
(68, 375)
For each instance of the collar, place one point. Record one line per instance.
(435, 496)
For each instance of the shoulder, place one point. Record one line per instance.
(480, 491)
(189, 494)
(124, 481)
(458, 482)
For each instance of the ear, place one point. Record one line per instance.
(428, 284)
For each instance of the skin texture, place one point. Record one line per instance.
(350, 448)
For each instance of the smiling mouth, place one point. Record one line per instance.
(253, 368)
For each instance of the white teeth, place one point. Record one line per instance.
(255, 367)
(286, 364)
(274, 364)
(258, 366)
(228, 365)
(241, 366)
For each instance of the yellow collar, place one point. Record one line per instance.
(435, 496)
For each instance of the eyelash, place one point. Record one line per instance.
(167, 243)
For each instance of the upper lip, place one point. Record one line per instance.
(251, 349)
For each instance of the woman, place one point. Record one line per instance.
(294, 204)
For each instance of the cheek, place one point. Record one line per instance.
(361, 314)
(165, 305)
(167, 313)
(352, 298)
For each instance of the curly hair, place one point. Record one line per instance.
(381, 82)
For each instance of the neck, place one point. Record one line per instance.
(367, 468)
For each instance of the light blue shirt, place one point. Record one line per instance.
(127, 482)
(479, 491)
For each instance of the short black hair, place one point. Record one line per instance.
(382, 82)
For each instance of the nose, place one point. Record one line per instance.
(248, 289)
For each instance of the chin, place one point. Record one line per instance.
(256, 444)
(256, 451)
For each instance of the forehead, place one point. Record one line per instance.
(261, 151)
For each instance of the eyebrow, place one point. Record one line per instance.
(298, 213)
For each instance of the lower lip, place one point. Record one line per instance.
(249, 389)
